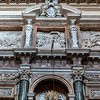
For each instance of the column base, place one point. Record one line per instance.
(71, 96)
(31, 96)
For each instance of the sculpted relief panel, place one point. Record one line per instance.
(90, 39)
(10, 39)
(54, 40)
(6, 92)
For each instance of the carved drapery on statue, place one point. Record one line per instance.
(46, 40)
(73, 32)
(28, 36)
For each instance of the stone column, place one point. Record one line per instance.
(28, 35)
(73, 33)
(23, 85)
(78, 83)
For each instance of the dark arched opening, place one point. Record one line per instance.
(48, 86)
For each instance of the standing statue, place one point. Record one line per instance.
(28, 34)
(74, 43)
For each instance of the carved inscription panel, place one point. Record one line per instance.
(54, 40)
(10, 39)
(90, 39)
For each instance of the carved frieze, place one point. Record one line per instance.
(95, 93)
(49, 65)
(6, 92)
(10, 39)
(54, 39)
(90, 39)
(91, 66)
(92, 77)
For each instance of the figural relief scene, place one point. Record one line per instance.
(90, 39)
(10, 39)
(52, 39)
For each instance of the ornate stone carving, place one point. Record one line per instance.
(6, 92)
(24, 74)
(6, 77)
(49, 65)
(95, 93)
(46, 40)
(28, 34)
(50, 9)
(90, 39)
(50, 95)
(78, 73)
(74, 43)
(9, 39)
(92, 77)
(51, 1)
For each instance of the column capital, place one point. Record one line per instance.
(77, 72)
(24, 71)
(24, 74)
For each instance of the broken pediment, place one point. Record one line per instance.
(50, 10)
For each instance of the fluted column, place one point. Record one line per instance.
(28, 34)
(73, 33)
(78, 83)
(23, 85)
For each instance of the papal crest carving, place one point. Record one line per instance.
(51, 10)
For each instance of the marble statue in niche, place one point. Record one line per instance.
(73, 34)
(90, 39)
(10, 39)
(47, 40)
(28, 34)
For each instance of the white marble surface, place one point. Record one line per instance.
(90, 39)
(10, 39)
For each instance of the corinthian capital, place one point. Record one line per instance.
(77, 72)
(24, 74)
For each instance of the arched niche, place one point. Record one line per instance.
(51, 82)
